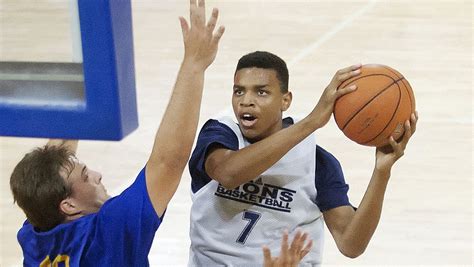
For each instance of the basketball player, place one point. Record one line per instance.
(70, 218)
(261, 173)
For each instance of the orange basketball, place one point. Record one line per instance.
(378, 108)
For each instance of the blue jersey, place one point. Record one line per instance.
(229, 226)
(120, 234)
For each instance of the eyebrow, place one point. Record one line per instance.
(258, 86)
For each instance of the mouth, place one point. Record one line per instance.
(247, 120)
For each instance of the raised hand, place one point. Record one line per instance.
(387, 155)
(200, 41)
(323, 110)
(290, 256)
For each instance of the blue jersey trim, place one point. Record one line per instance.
(213, 133)
(330, 184)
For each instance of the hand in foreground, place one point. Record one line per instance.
(323, 110)
(290, 256)
(200, 41)
(387, 155)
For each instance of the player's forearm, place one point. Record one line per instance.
(175, 136)
(248, 163)
(364, 223)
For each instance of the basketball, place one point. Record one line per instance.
(378, 108)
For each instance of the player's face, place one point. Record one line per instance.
(88, 192)
(258, 102)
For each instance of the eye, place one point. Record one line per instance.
(238, 92)
(85, 175)
(262, 92)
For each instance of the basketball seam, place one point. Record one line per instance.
(358, 78)
(368, 102)
(408, 92)
(404, 85)
(391, 70)
(368, 75)
(393, 114)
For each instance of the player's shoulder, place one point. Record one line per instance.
(325, 157)
(322, 151)
(220, 126)
(221, 121)
(211, 122)
(76, 232)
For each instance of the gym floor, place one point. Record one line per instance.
(427, 214)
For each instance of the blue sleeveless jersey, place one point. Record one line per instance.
(120, 234)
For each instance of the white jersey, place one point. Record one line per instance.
(229, 227)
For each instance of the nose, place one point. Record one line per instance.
(97, 177)
(247, 100)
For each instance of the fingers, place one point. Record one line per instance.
(201, 13)
(298, 241)
(289, 256)
(284, 243)
(197, 13)
(409, 129)
(267, 257)
(218, 35)
(413, 121)
(198, 17)
(192, 8)
(297, 249)
(350, 68)
(346, 90)
(211, 24)
(406, 135)
(306, 249)
(341, 76)
(398, 148)
(184, 26)
(345, 74)
(393, 144)
(348, 72)
(356, 66)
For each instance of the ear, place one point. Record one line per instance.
(286, 100)
(68, 207)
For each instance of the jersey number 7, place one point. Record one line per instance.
(252, 217)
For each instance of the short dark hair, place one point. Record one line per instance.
(38, 186)
(266, 60)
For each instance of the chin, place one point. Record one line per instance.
(251, 136)
(104, 200)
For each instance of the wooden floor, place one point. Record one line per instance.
(427, 216)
